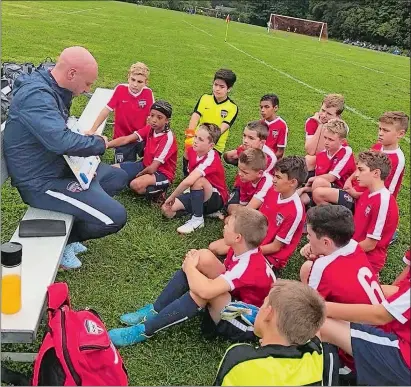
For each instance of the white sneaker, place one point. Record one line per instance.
(191, 225)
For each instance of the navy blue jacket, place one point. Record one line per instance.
(36, 135)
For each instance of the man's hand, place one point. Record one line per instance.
(191, 260)
(89, 132)
(306, 252)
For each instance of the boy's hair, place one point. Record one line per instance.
(334, 101)
(272, 98)
(295, 167)
(333, 221)
(214, 132)
(260, 128)
(251, 224)
(227, 76)
(254, 159)
(376, 160)
(139, 68)
(400, 119)
(337, 126)
(299, 309)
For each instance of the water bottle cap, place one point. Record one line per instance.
(11, 253)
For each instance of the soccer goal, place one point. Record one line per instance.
(299, 26)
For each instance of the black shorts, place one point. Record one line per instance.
(233, 330)
(345, 199)
(134, 168)
(214, 204)
(234, 196)
(129, 152)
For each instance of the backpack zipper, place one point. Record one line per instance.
(86, 347)
(74, 374)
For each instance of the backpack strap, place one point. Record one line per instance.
(58, 295)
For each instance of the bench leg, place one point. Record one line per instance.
(18, 356)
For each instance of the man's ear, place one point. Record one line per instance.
(71, 73)
(276, 108)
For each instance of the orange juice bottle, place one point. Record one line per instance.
(11, 254)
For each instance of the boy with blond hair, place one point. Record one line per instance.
(376, 211)
(287, 324)
(206, 283)
(131, 104)
(331, 108)
(333, 166)
(206, 181)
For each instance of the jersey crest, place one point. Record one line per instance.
(142, 103)
(279, 218)
(275, 133)
(367, 210)
(224, 113)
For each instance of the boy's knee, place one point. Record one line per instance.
(305, 271)
(199, 183)
(320, 182)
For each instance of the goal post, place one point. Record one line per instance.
(298, 25)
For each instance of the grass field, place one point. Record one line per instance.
(127, 270)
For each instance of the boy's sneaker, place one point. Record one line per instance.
(191, 225)
(140, 316)
(122, 337)
(394, 237)
(69, 260)
(78, 248)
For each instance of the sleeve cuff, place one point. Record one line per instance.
(285, 241)
(201, 171)
(160, 160)
(138, 136)
(377, 238)
(109, 108)
(232, 287)
(393, 312)
(337, 175)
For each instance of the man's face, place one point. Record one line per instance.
(364, 175)
(202, 142)
(267, 110)
(247, 174)
(318, 245)
(251, 140)
(388, 134)
(281, 182)
(220, 89)
(332, 142)
(81, 80)
(136, 83)
(327, 113)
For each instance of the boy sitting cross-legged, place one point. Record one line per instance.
(254, 136)
(284, 212)
(333, 166)
(206, 181)
(205, 282)
(376, 211)
(157, 169)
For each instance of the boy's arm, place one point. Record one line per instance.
(224, 126)
(311, 143)
(254, 203)
(231, 155)
(327, 176)
(99, 120)
(186, 183)
(272, 247)
(124, 140)
(280, 153)
(368, 244)
(205, 288)
(402, 275)
(150, 169)
(195, 117)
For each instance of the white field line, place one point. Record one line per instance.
(81, 10)
(192, 25)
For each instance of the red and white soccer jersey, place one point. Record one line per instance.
(341, 164)
(130, 110)
(376, 217)
(211, 168)
(277, 134)
(161, 147)
(249, 190)
(269, 154)
(346, 276)
(249, 276)
(285, 223)
(398, 305)
(406, 260)
(394, 179)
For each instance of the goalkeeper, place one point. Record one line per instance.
(216, 108)
(206, 283)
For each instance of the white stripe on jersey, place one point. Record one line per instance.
(266, 186)
(342, 163)
(299, 207)
(399, 306)
(398, 171)
(207, 161)
(166, 149)
(268, 151)
(382, 214)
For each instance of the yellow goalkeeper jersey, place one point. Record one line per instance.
(214, 112)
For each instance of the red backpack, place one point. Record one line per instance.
(76, 349)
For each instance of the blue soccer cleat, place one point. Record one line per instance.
(69, 259)
(140, 316)
(123, 337)
(78, 247)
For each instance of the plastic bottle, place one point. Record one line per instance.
(11, 253)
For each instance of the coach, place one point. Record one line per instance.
(36, 138)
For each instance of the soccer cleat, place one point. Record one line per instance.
(122, 337)
(139, 316)
(191, 225)
(78, 248)
(69, 260)
(394, 237)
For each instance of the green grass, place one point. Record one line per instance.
(124, 271)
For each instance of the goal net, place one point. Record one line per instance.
(299, 26)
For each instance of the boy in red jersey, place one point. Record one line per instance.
(284, 211)
(254, 136)
(158, 167)
(206, 181)
(131, 105)
(331, 108)
(376, 211)
(381, 350)
(205, 282)
(277, 127)
(333, 166)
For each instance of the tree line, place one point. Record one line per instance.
(375, 21)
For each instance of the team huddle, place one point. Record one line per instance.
(345, 203)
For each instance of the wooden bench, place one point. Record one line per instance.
(41, 256)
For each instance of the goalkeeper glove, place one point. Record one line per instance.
(246, 312)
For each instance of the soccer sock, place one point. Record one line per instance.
(185, 167)
(178, 311)
(176, 287)
(197, 202)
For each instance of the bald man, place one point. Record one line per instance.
(35, 139)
